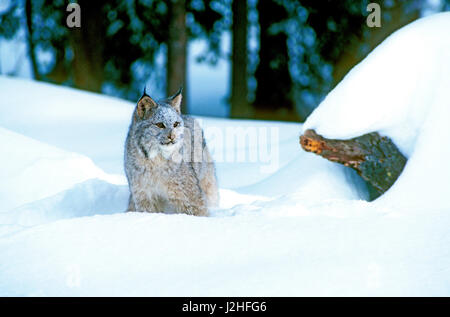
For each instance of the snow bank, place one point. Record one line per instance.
(401, 90)
(31, 170)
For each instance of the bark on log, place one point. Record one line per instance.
(376, 159)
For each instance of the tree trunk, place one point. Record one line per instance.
(88, 44)
(238, 100)
(31, 53)
(274, 83)
(177, 51)
(60, 72)
(376, 159)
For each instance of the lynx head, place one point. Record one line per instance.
(158, 124)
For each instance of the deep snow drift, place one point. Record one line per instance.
(289, 223)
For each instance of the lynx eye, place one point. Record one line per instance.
(176, 124)
(160, 125)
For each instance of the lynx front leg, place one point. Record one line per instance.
(188, 198)
(190, 208)
(209, 186)
(144, 203)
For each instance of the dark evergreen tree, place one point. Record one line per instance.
(239, 78)
(274, 83)
(177, 50)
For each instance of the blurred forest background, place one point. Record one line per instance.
(262, 59)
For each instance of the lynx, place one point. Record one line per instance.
(167, 163)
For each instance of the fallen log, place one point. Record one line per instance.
(375, 158)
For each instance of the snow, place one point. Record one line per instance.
(27, 159)
(289, 222)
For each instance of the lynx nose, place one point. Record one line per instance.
(171, 136)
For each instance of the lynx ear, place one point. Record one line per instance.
(144, 105)
(175, 100)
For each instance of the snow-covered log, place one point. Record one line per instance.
(376, 159)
